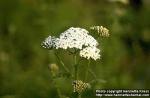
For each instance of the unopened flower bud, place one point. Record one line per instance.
(54, 69)
(79, 86)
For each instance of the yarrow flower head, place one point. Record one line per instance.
(77, 38)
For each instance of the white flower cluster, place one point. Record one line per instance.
(92, 52)
(75, 38)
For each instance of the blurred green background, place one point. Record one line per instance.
(24, 24)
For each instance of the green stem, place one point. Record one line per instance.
(57, 88)
(86, 74)
(75, 67)
(92, 73)
(62, 63)
(59, 92)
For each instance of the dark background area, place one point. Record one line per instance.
(24, 24)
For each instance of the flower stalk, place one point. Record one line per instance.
(75, 68)
(62, 63)
(87, 70)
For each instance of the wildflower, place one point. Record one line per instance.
(90, 52)
(77, 38)
(79, 86)
(102, 31)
